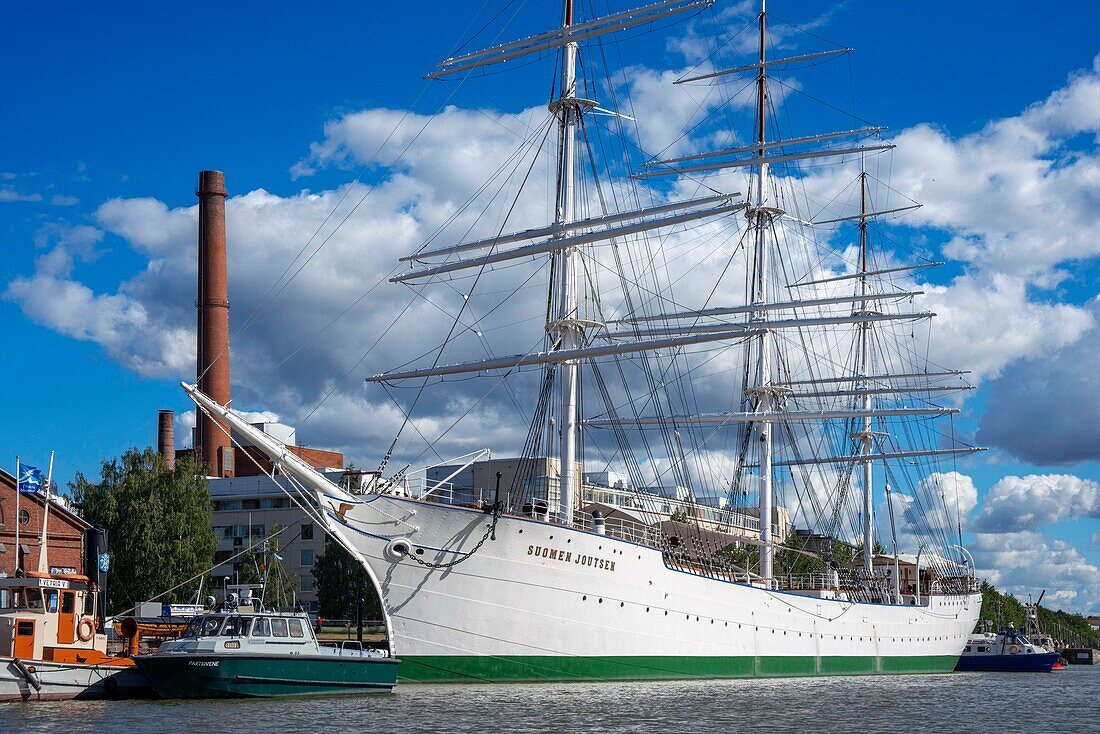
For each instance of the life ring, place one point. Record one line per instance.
(85, 630)
(1014, 649)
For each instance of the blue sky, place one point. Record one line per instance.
(126, 102)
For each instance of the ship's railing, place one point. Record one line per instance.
(418, 487)
(955, 585)
(622, 528)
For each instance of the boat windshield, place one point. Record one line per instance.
(203, 626)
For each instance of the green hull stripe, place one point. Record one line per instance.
(452, 668)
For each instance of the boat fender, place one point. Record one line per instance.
(85, 630)
(1014, 649)
(27, 673)
(397, 549)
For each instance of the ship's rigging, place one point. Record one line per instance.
(807, 412)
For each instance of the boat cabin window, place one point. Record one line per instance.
(983, 649)
(51, 600)
(32, 599)
(967, 649)
(296, 628)
(203, 627)
(278, 627)
(261, 628)
(68, 603)
(236, 626)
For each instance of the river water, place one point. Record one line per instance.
(1035, 703)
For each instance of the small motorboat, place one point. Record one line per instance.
(242, 650)
(1005, 651)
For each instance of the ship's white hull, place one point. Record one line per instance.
(541, 601)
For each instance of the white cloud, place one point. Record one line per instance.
(998, 190)
(1023, 563)
(8, 194)
(935, 509)
(985, 321)
(1016, 504)
(1046, 409)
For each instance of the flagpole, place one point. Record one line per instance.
(43, 562)
(18, 466)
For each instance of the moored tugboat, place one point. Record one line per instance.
(242, 650)
(49, 645)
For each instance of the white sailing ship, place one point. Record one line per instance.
(536, 583)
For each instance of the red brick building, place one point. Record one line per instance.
(65, 532)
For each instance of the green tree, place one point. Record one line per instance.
(338, 576)
(263, 564)
(158, 524)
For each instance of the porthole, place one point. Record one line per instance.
(584, 598)
(601, 600)
(622, 604)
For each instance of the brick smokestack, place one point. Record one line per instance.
(166, 437)
(213, 332)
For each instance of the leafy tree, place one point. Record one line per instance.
(338, 576)
(263, 564)
(158, 524)
(679, 515)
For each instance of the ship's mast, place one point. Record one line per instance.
(866, 436)
(761, 218)
(567, 326)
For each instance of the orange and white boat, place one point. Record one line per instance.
(51, 646)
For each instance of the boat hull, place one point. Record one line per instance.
(1018, 663)
(195, 675)
(62, 681)
(544, 602)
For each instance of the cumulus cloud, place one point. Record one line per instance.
(1016, 504)
(1046, 409)
(1026, 562)
(998, 190)
(933, 510)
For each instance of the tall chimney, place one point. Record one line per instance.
(166, 438)
(213, 332)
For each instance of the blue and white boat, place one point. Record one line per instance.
(1005, 651)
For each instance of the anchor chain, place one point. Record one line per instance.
(490, 532)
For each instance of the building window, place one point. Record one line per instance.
(307, 531)
(306, 558)
(307, 582)
(24, 517)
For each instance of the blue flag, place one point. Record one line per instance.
(30, 479)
